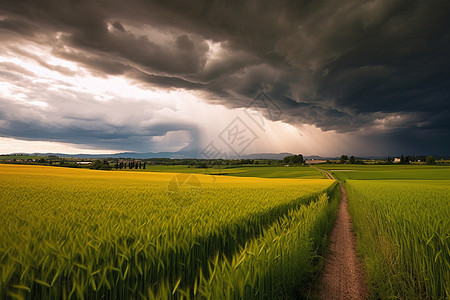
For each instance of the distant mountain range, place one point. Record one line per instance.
(193, 154)
(174, 155)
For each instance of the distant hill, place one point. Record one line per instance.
(175, 155)
(277, 156)
(194, 154)
(122, 155)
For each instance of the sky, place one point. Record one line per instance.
(225, 78)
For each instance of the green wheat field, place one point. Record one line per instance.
(173, 234)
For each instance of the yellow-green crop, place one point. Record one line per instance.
(403, 230)
(91, 234)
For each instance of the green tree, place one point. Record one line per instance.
(352, 160)
(343, 159)
(293, 159)
(431, 160)
(100, 164)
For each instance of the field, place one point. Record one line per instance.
(401, 218)
(389, 172)
(95, 234)
(242, 171)
(252, 232)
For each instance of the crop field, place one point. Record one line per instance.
(389, 172)
(241, 171)
(75, 233)
(403, 228)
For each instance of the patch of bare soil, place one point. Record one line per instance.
(343, 277)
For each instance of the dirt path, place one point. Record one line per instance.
(327, 174)
(343, 277)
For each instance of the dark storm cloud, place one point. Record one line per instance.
(166, 81)
(43, 63)
(98, 65)
(340, 65)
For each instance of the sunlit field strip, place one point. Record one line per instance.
(241, 171)
(68, 232)
(388, 172)
(403, 229)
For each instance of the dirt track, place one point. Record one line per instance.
(343, 277)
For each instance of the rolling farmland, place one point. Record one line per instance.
(91, 234)
(77, 233)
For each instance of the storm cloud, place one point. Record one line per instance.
(376, 69)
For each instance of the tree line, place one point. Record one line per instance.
(294, 160)
(430, 160)
(403, 160)
(344, 159)
(103, 164)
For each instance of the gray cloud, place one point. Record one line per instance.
(85, 123)
(352, 66)
(68, 115)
